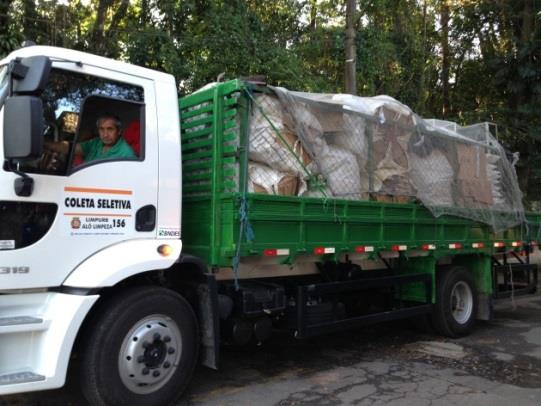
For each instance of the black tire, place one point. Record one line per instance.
(122, 341)
(456, 305)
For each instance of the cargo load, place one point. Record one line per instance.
(376, 148)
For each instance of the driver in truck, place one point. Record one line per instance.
(109, 144)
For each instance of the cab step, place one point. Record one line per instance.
(20, 377)
(18, 324)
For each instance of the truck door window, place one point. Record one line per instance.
(63, 101)
(109, 128)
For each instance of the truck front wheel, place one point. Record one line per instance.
(140, 349)
(456, 302)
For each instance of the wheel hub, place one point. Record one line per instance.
(155, 354)
(461, 302)
(149, 354)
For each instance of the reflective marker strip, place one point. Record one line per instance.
(428, 247)
(276, 252)
(499, 244)
(362, 249)
(455, 246)
(516, 244)
(478, 245)
(324, 250)
(399, 247)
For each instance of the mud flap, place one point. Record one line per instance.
(485, 310)
(209, 322)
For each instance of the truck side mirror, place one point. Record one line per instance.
(30, 74)
(23, 127)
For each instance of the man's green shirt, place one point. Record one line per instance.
(93, 150)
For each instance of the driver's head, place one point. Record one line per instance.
(109, 129)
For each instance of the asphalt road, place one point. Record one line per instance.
(387, 364)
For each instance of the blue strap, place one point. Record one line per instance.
(245, 228)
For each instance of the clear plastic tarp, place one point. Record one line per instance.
(376, 148)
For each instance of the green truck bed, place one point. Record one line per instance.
(220, 220)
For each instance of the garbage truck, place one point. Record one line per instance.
(245, 209)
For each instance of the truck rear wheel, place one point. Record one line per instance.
(140, 349)
(456, 302)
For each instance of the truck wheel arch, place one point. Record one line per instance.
(121, 261)
(189, 277)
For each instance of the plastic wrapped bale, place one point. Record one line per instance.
(433, 177)
(271, 143)
(352, 138)
(390, 139)
(341, 171)
(495, 179)
(338, 166)
(262, 179)
(301, 120)
(499, 171)
(473, 186)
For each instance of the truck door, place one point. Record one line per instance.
(85, 203)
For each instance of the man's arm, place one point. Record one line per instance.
(62, 147)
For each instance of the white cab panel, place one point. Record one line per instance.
(122, 260)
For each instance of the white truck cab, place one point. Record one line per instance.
(72, 229)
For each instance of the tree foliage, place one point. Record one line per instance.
(461, 60)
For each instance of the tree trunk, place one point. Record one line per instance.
(350, 64)
(422, 78)
(145, 13)
(446, 58)
(97, 36)
(526, 36)
(30, 16)
(527, 27)
(313, 15)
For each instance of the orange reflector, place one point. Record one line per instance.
(478, 245)
(364, 248)
(499, 244)
(428, 247)
(165, 250)
(275, 252)
(324, 250)
(399, 247)
(455, 246)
